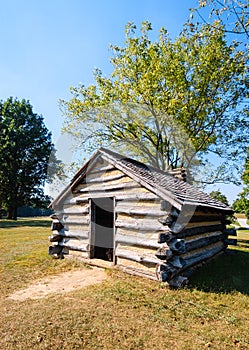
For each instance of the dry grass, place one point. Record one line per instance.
(240, 215)
(123, 312)
(243, 234)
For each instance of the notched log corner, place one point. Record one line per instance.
(177, 245)
(178, 282)
(55, 238)
(170, 219)
(56, 251)
(177, 262)
(164, 253)
(164, 237)
(163, 273)
(56, 226)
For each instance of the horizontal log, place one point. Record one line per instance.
(199, 230)
(130, 255)
(140, 250)
(202, 224)
(168, 271)
(191, 218)
(178, 227)
(136, 241)
(101, 179)
(72, 245)
(139, 200)
(231, 241)
(230, 231)
(190, 269)
(76, 211)
(76, 221)
(137, 272)
(144, 225)
(205, 241)
(102, 169)
(202, 235)
(119, 196)
(145, 211)
(75, 234)
(103, 188)
(146, 235)
(206, 254)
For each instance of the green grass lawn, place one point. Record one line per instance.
(123, 312)
(243, 234)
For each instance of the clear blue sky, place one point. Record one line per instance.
(49, 45)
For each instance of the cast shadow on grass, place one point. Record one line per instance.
(44, 222)
(225, 274)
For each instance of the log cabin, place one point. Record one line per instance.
(143, 220)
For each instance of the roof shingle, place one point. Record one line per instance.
(180, 190)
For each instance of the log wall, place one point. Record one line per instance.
(151, 239)
(133, 205)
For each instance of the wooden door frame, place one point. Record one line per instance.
(92, 214)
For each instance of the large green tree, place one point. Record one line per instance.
(167, 101)
(25, 145)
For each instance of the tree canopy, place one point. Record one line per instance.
(233, 14)
(25, 146)
(167, 102)
(219, 196)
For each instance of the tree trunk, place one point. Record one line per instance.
(12, 212)
(9, 212)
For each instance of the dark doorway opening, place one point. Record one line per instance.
(102, 228)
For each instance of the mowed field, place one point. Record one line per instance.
(122, 312)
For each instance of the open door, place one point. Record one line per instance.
(102, 228)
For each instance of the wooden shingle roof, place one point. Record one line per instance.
(155, 180)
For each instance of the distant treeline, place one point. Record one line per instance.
(29, 212)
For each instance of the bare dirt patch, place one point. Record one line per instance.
(63, 283)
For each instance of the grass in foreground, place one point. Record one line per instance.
(124, 312)
(24, 253)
